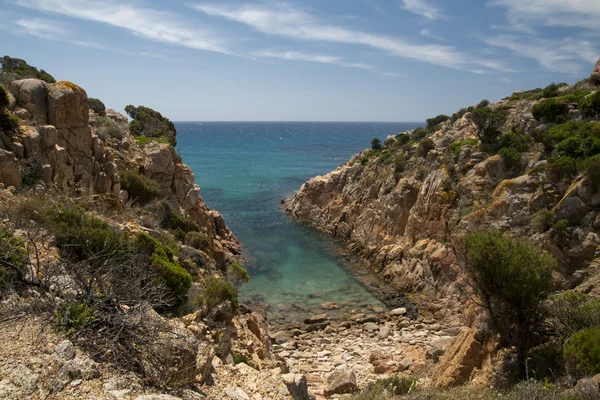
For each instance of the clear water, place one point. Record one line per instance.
(244, 169)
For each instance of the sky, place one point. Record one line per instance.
(310, 60)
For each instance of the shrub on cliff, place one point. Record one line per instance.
(591, 168)
(488, 124)
(418, 134)
(432, 123)
(376, 144)
(8, 121)
(590, 105)
(573, 311)
(513, 161)
(150, 123)
(139, 187)
(13, 258)
(582, 352)
(237, 274)
(4, 102)
(425, 146)
(24, 70)
(217, 293)
(513, 279)
(97, 106)
(197, 240)
(553, 110)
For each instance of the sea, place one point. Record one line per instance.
(245, 169)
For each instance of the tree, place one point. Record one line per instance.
(376, 144)
(488, 123)
(150, 123)
(512, 279)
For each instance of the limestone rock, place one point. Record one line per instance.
(341, 382)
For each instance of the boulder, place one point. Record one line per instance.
(341, 382)
(10, 173)
(159, 164)
(595, 78)
(297, 386)
(48, 134)
(30, 94)
(460, 359)
(31, 139)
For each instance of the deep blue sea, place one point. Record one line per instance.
(244, 169)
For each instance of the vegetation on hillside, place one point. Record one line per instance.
(23, 70)
(151, 124)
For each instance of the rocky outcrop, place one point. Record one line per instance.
(459, 361)
(595, 78)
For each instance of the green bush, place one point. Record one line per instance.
(553, 110)
(24, 70)
(562, 167)
(425, 146)
(215, 293)
(33, 170)
(513, 278)
(456, 147)
(385, 157)
(582, 352)
(512, 158)
(162, 258)
(591, 168)
(402, 139)
(8, 121)
(143, 140)
(519, 141)
(573, 311)
(400, 163)
(488, 124)
(13, 257)
(419, 134)
(150, 123)
(552, 90)
(97, 106)
(197, 240)
(237, 274)
(543, 220)
(171, 220)
(3, 98)
(432, 123)
(376, 144)
(590, 105)
(139, 187)
(74, 317)
(576, 139)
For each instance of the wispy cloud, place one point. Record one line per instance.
(155, 25)
(39, 27)
(429, 34)
(391, 74)
(422, 8)
(310, 57)
(573, 13)
(567, 56)
(286, 21)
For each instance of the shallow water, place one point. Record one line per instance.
(244, 169)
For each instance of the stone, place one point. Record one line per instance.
(398, 311)
(10, 173)
(48, 134)
(384, 332)
(30, 94)
(460, 359)
(595, 77)
(204, 360)
(297, 386)
(341, 382)
(157, 397)
(235, 393)
(370, 327)
(405, 364)
(316, 319)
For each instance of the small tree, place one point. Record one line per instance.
(376, 144)
(513, 279)
(488, 123)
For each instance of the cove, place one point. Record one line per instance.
(244, 169)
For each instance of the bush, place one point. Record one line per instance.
(456, 147)
(515, 140)
(237, 275)
(97, 106)
(512, 159)
(419, 134)
(385, 157)
(396, 385)
(488, 124)
(74, 317)
(513, 279)
(32, 170)
(400, 163)
(483, 103)
(150, 123)
(582, 352)
(13, 258)
(425, 146)
(376, 144)
(552, 90)
(402, 139)
(591, 168)
(8, 121)
(143, 140)
(553, 110)
(590, 105)
(217, 292)
(24, 70)
(197, 240)
(562, 167)
(432, 123)
(171, 220)
(139, 187)
(573, 311)
(543, 220)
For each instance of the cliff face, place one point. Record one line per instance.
(407, 207)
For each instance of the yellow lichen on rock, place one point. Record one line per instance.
(68, 85)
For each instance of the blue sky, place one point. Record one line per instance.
(318, 60)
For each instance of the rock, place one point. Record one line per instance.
(297, 386)
(48, 134)
(405, 364)
(341, 382)
(30, 94)
(587, 388)
(157, 397)
(235, 393)
(398, 311)
(370, 327)
(595, 78)
(10, 173)
(316, 319)
(204, 359)
(460, 359)
(280, 337)
(384, 332)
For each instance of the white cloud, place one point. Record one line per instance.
(309, 57)
(429, 34)
(572, 13)
(391, 74)
(283, 20)
(159, 26)
(422, 8)
(39, 27)
(567, 56)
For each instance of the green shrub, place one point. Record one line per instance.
(488, 124)
(97, 106)
(513, 278)
(32, 170)
(237, 274)
(515, 140)
(239, 358)
(552, 90)
(74, 317)
(171, 220)
(582, 351)
(197, 240)
(364, 160)
(591, 168)
(419, 134)
(590, 105)
(163, 261)
(114, 131)
(573, 311)
(24, 70)
(8, 121)
(425, 146)
(402, 139)
(562, 167)
(553, 110)
(3, 98)
(512, 158)
(217, 292)
(143, 140)
(150, 123)
(543, 220)
(139, 187)
(376, 144)
(432, 123)
(13, 256)
(385, 157)
(400, 163)
(456, 147)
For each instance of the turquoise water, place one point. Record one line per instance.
(245, 169)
